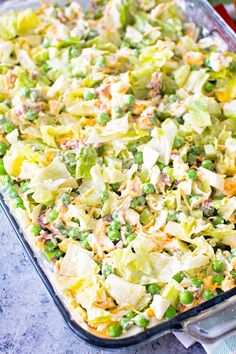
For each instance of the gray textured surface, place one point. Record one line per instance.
(30, 322)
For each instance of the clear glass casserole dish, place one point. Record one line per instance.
(206, 321)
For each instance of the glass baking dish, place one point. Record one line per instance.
(206, 321)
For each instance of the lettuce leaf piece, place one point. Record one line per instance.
(181, 75)
(86, 159)
(229, 109)
(123, 292)
(198, 117)
(49, 181)
(196, 80)
(50, 133)
(13, 24)
(151, 60)
(120, 13)
(163, 140)
(26, 21)
(8, 26)
(77, 262)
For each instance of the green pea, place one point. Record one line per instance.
(73, 232)
(217, 279)
(19, 203)
(50, 245)
(179, 277)
(192, 174)
(132, 147)
(83, 235)
(46, 43)
(103, 118)
(8, 127)
(191, 159)
(217, 220)
(74, 52)
(186, 297)
(141, 321)
(114, 235)
(172, 215)
(106, 270)
(207, 294)
(218, 266)
(232, 67)
(207, 164)
(57, 253)
(170, 313)
(12, 192)
(207, 63)
(25, 91)
(115, 215)
(194, 67)
(101, 62)
(180, 120)
(35, 230)
(129, 100)
(46, 67)
(115, 330)
(86, 244)
(153, 288)
(148, 188)
(103, 195)
(65, 198)
(89, 95)
(194, 150)
(128, 228)
(115, 187)
(2, 168)
(52, 215)
(233, 273)
(115, 225)
(142, 200)
(130, 238)
(233, 251)
(7, 181)
(208, 87)
(145, 216)
(118, 112)
(178, 143)
(138, 157)
(24, 186)
(126, 323)
(130, 314)
(31, 114)
(195, 282)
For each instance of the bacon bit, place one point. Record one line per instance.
(71, 144)
(55, 107)
(11, 79)
(155, 85)
(185, 200)
(230, 187)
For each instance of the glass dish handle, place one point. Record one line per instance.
(212, 323)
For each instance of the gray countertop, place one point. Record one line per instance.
(30, 322)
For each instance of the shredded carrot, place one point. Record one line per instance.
(185, 200)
